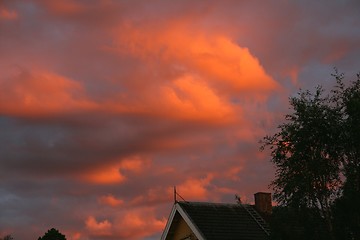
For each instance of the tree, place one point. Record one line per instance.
(305, 154)
(289, 223)
(316, 152)
(52, 234)
(7, 237)
(346, 207)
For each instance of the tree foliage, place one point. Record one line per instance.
(7, 237)
(316, 153)
(289, 223)
(347, 207)
(52, 234)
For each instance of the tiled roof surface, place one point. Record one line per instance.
(223, 221)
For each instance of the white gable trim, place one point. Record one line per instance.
(169, 222)
(183, 214)
(192, 226)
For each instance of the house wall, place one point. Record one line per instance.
(183, 231)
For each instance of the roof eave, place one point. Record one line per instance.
(189, 222)
(168, 224)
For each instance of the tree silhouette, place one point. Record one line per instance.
(346, 207)
(7, 237)
(307, 163)
(316, 153)
(52, 234)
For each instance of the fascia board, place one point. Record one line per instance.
(192, 226)
(169, 222)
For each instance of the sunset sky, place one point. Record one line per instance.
(106, 105)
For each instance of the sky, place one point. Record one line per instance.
(106, 105)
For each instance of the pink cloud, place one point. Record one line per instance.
(153, 196)
(111, 200)
(98, 228)
(104, 175)
(134, 164)
(199, 73)
(114, 171)
(196, 188)
(191, 98)
(209, 54)
(7, 14)
(137, 224)
(132, 224)
(42, 93)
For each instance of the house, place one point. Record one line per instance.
(220, 221)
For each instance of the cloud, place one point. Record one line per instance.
(181, 46)
(109, 175)
(42, 94)
(196, 188)
(6, 14)
(106, 105)
(138, 224)
(153, 196)
(194, 74)
(98, 228)
(117, 172)
(189, 98)
(111, 200)
(132, 224)
(66, 7)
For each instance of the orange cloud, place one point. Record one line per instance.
(232, 173)
(138, 223)
(191, 98)
(73, 235)
(234, 66)
(131, 224)
(212, 55)
(7, 14)
(95, 228)
(200, 72)
(110, 200)
(115, 172)
(42, 94)
(195, 189)
(153, 196)
(134, 164)
(187, 97)
(105, 175)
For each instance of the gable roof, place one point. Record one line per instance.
(212, 221)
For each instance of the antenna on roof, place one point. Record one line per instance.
(177, 194)
(238, 199)
(175, 201)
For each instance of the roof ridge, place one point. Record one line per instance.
(217, 203)
(220, 220)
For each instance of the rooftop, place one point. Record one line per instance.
(223, 221)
